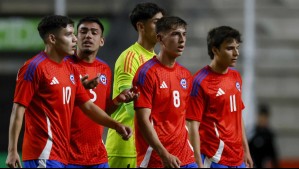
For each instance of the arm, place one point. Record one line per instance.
(99, 116)
(15, 126)
(151, 137)
(195, 141)
(247, 156)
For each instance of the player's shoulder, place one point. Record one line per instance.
(101, 62)
(148, 66)
(37, 59)
(146, 70)
(201, 75)
(129, 52)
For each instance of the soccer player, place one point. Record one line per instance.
(160, 127)
(47, 89)
(144, 16)
(215, 110)
(87, 150)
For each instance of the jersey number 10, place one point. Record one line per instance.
(67, 91)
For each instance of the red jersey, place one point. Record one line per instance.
(165, 91)
(49, 92)
(216, 102)
(87, 147)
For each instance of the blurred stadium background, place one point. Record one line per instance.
(269, 56)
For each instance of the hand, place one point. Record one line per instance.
(127, 95)
(170, 161)
(124, 131)
(248, 160)
(90, 84)
(13, 160)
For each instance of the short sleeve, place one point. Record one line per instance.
(196, 105)
(26, 84)
(126, 68)
(145, 83)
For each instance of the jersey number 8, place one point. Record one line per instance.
(176, 98)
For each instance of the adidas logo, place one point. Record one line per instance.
(220, 92)
(163, 85)
(54, 81)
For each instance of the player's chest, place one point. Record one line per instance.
(223, 87)
(59, 81)
(168, 85)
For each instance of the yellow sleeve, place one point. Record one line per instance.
(126, 68)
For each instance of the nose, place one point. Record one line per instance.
(88, 34)
(236, 52)
(74, 38)
(182, 38)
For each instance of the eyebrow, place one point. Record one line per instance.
(92, 29)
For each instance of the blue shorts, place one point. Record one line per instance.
(103, 165)
(192, 165)
(43, 164)
(207, 163)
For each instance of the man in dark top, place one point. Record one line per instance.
(262, 145)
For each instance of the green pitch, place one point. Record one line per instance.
(3, 159)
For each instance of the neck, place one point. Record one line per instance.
(218, 68)
(53, 54)
(166, 60)
(146, 44)
(87, 57)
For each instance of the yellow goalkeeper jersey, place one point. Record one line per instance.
(125, 68)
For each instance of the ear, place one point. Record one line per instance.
(52, 38)
(159, 37)
(102, 41)
(215, 51)
(140, 26)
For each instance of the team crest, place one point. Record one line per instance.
(72, 78)
(103, 79)
(184, 83)
(238, 86)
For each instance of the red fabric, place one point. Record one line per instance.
(49, 91)
(165, 91)
(87, 147)
(216, 102)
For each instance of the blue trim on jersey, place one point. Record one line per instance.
(233, 68)
(144, 70)
(103, 165)
(100, 60)
(69, 57)
(192, 165)
(32, 67)
(197, 81)
(216, 165)
(49, 164)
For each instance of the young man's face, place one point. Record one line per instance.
(90, 37)
(173, 42)
(66, 41)
(150, 28)
(228, 53)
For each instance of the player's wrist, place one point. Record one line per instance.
(116, 102)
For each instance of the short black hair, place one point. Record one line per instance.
(143, 12)
(91, 19)
(264, 109)
(219, 35)
(52, 23)
(169, 22)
